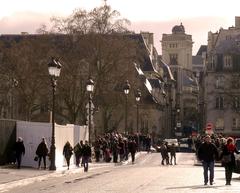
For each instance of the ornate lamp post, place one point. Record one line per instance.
(138, 97)
(178, 121)
(90, 87)
(54, 69)
(126, 89)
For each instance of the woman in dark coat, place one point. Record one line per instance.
(42, 152)
(67, 152)
(229, 149)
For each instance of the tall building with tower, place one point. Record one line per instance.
(177, 53)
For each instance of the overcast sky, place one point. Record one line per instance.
(157, 16)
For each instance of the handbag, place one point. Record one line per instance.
(226, 158)
(36, 158)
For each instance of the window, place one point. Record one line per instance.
(219, 102)
(235, 123)
(219, 124)
(235, 83)
(227, 61)
(173, 59)
(173, 45)
(236, 102)
(219, 82)
(228, 37)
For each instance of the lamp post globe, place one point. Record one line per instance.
(126, 87)
(90, 87)
(138, 95)
(54, 69)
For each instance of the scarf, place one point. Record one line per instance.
(231, 147)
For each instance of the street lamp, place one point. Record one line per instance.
(126, 89)
(138, 97)
(90, 87)
(178, 121)
(54, 69)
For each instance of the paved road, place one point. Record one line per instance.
(147, 175)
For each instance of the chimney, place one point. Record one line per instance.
(24, 33)
(237, 21)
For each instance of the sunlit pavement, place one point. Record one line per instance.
(11, 177)
(147, 175)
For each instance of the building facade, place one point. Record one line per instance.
(222, 94)
(177, 52)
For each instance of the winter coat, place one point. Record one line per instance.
(42, 149)
(207, 152)
(67, 151)
(86, 151)
(132, 146)
(225, 151)
(19, 148)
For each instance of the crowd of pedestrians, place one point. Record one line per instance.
(116, 147)
(110, 147)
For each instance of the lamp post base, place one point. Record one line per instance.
(52, 154)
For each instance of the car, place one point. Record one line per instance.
(185, 145)
(237, 156)
(173, 141)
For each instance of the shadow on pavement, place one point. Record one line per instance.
(196, 187)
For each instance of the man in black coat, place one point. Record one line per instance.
(207, 153)
(42, 152)
(86, 155)
(19, 149)
(132, 145)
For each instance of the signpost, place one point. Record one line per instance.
(209, 129)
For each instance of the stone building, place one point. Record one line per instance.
(222, 95)
(177, 52)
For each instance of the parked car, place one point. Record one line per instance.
(185, 145)
(237, 156)
(173, 141)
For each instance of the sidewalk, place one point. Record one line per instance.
(11, 177)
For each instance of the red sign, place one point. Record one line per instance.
(209, 126)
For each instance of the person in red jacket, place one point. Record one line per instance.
(228, 150)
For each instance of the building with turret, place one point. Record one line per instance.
(177, 52)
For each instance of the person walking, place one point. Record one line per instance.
(132, 149)
(164, 153)
(207, 153)
(148, 143)
(78, 153)
(172, 150)
(229, 162)
(86, 155)
(67, 152)
(19, 149)
(42, 152)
